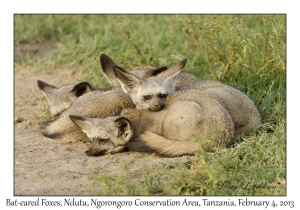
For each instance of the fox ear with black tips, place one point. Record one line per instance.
(127, 81)
(107, 66)
(80, 89)
(46, 88)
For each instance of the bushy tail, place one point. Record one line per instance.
(151, 142)
(64, 130)
(253, 122)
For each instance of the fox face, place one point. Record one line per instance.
(60, 99)
(151, 94)
(148, 87)
(147, 93)
(107, 135)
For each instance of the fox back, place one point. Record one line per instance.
(242, 109)
(183, 117)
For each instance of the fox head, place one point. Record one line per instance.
(107, 135)
(149, 93)
(60, 99)
(148, 87)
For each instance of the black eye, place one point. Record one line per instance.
(147, 97)
(104, 139)
(163, 95)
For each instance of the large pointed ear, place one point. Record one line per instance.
(154, 72)
(46, 88)
(173, 70)
(171, 80)
(127, 81)
(123, 129)
(84, 123)
(80, 89)
(107, 66)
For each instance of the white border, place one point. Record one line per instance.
(9, 8)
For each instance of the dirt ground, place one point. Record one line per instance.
(44, 166)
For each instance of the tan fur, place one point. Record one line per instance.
(60, 99)
(170, 131)
(147, 86)
(208, 109)
(93, 104)
(111, 132)
(242, 109)
(147, 93)
(153, 143)
(96, 104)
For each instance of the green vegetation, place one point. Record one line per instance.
(245, 51)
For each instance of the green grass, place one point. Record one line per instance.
(245, 51)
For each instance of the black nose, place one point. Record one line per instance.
(156, 105)
(156, 108)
